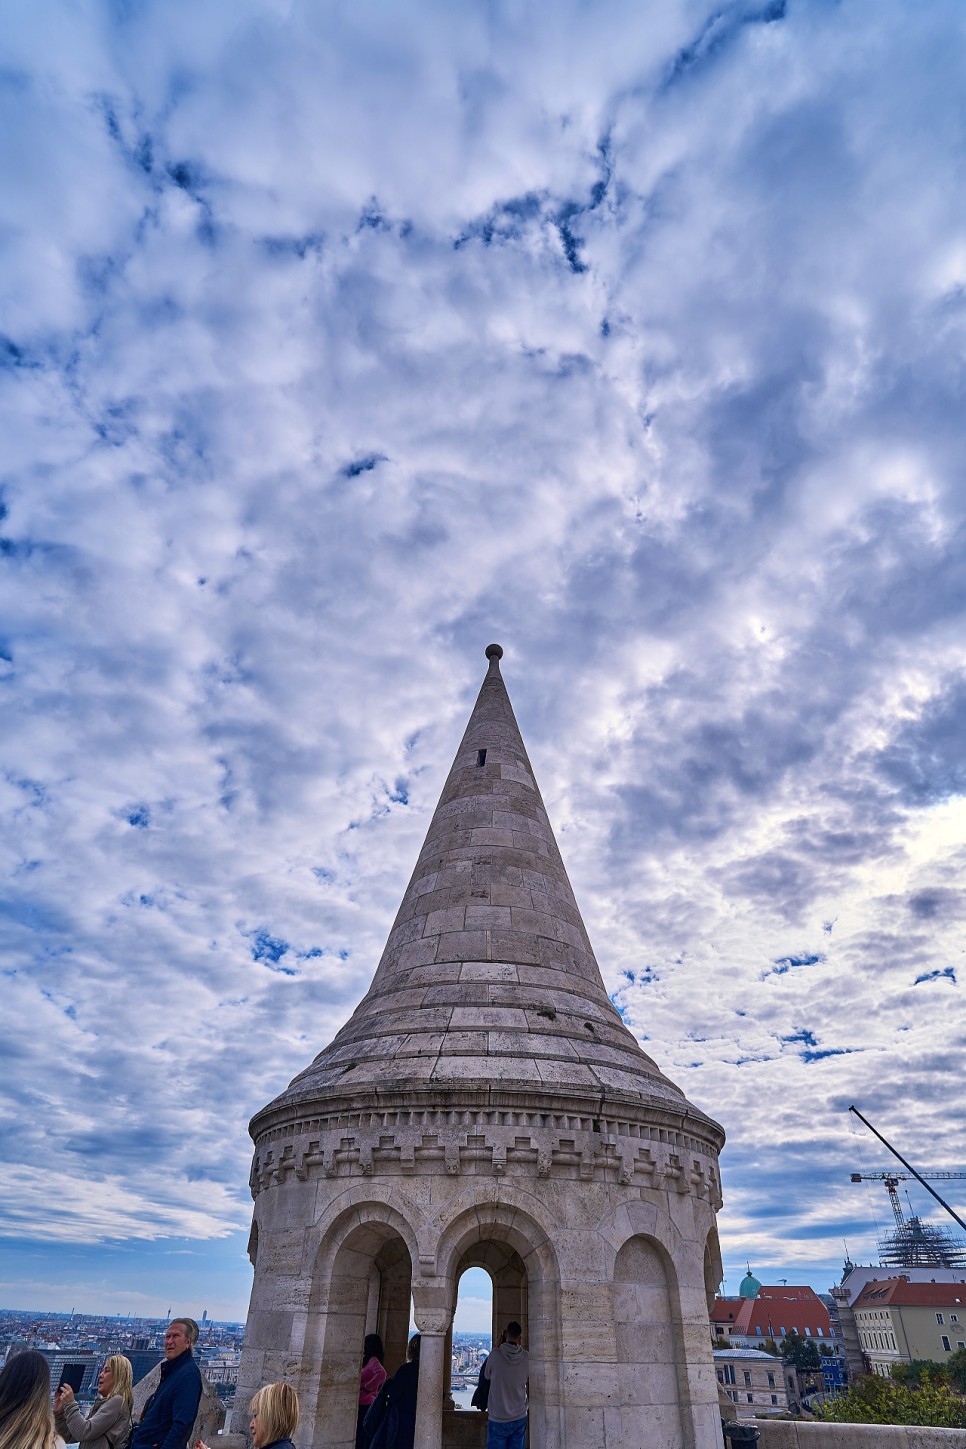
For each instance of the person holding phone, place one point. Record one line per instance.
(107, 1424)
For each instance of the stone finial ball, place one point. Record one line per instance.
(494, 651)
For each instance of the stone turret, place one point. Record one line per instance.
(486, 1106)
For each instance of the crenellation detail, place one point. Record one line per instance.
(443, 1120)
(584, 1154)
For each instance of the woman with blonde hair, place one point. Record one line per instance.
(108, 1421)
(275, 1418)
(25, 1418)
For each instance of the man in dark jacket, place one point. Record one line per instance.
(171, 1410)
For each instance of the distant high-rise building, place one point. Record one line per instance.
(143, 1360)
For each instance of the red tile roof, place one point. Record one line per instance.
(912, 1295)
(776, 1311)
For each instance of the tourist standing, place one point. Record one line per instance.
(170, 1412)
(371, 1380)
(108, 1421)
(508, 1369)
(391, 1422)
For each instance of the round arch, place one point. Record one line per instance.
(649, 1337)
(361, 1283)
(516, 1249)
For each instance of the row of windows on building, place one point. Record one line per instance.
(726, 1375)
(782, 1332)
(733, 1395)
(868, 1339)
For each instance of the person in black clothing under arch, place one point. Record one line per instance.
(391, 1422)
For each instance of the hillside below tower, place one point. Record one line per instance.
(485, 1106)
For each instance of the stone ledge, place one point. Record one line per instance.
(644, 1123)
(789, 1434)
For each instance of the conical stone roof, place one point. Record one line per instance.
(488, 985)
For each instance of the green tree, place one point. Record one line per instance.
(875, 1400)
(956, 1370)
(801, 1352)
(917, 1371)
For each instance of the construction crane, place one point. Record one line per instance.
(914, 1243)
(892, 1180)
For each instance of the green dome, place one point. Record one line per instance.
(749, 1286)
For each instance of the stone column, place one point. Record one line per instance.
(434, 1325)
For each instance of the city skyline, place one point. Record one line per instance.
(336, 344)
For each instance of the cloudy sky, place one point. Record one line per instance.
(338, 340)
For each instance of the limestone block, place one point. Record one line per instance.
(267, 1328)
(465, 1043)
(448, 919)
(462, 946)
(590, 1383)
(294, 1294)
(577, 1075)
(514, 1069)
(488, 971)
(584, 1426)
(437, 975)
(425, 1043)
(535, 1043)
(280, 1253)
(417, 953)
(487, 918)
(659, 1385)
(426, 1019)
(488, 1016)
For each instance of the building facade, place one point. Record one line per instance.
(485, 1106)
(773, 1313)
(758, 1384)
(899, 1321)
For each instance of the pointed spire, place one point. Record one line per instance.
(488, 978)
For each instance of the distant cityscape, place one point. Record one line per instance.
(86, 1339)
(776, 1348)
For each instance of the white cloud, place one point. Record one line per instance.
(336, 349)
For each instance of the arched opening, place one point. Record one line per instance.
(368, 1290)
(517, 1251)
(713, 1270)
(650, 1342)
(472, 1334)
(509, 1299)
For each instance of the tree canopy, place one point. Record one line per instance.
(875, 1400)
(801, 1352)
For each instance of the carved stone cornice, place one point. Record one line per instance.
(576, 1150)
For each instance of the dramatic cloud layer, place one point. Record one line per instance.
(336, 341)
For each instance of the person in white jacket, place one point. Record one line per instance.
(508, 1369)
(107, 1425)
